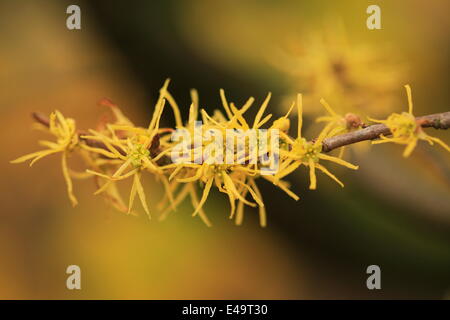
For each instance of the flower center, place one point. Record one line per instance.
(137, 154)
(307, 150)
(402, 125)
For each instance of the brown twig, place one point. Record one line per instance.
(437, 121)
(371, 132)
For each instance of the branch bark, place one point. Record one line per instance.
(436, 121)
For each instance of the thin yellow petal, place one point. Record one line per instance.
(207, 118)
(175, 108)
(150, 165)
(162, 92)
(204, 195)
(195, 177)
(163, 153)
(440, 142)
(239, 112)
(299, 115)
(49, 144)
(232, 200)
(62, 121)
(409, 95)
(262, 209)
(122, 168)
(323, 134)
(252, 192)
(103, 187)
(98, 174)
(181, 195)
(375, 120)
(175, 172)
(193, 114)
(132, 195)
(288, 170)
(79, 175)
(324, 119)
(261, 110)
(98, 150)
(328, 108)
(338, 161)
(328, 173)
(195, 202)
(141, 193)
(194, 97)
(312, 175)
(341, 152)
(409, 148)
(124, 176)
(282, 186)
(263, 121)
(229, 184)
(26, 157)
(66, 174)
(44, 154)
(240, 211)
(289, 111)
(225, 104)
(168, 191)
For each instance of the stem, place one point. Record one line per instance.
(436, 121)
(371, 132)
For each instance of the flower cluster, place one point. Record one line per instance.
(118, 150)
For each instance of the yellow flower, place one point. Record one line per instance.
(119, 150)
(208, 174)
(357, 76)
(64, 130)
(340, 124)
(235, 180)
(307, 153)
(406, 130)
(131, 153)
(186, 189)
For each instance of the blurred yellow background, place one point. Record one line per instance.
(393, 212)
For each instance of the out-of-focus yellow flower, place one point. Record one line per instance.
(355, 76)
(64, 129)
(406, 130)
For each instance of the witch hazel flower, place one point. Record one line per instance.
(405, 129)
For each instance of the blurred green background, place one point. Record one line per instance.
(393, 212)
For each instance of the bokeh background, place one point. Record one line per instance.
(393, 212)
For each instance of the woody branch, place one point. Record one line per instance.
(371, 132)
(436, 121)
